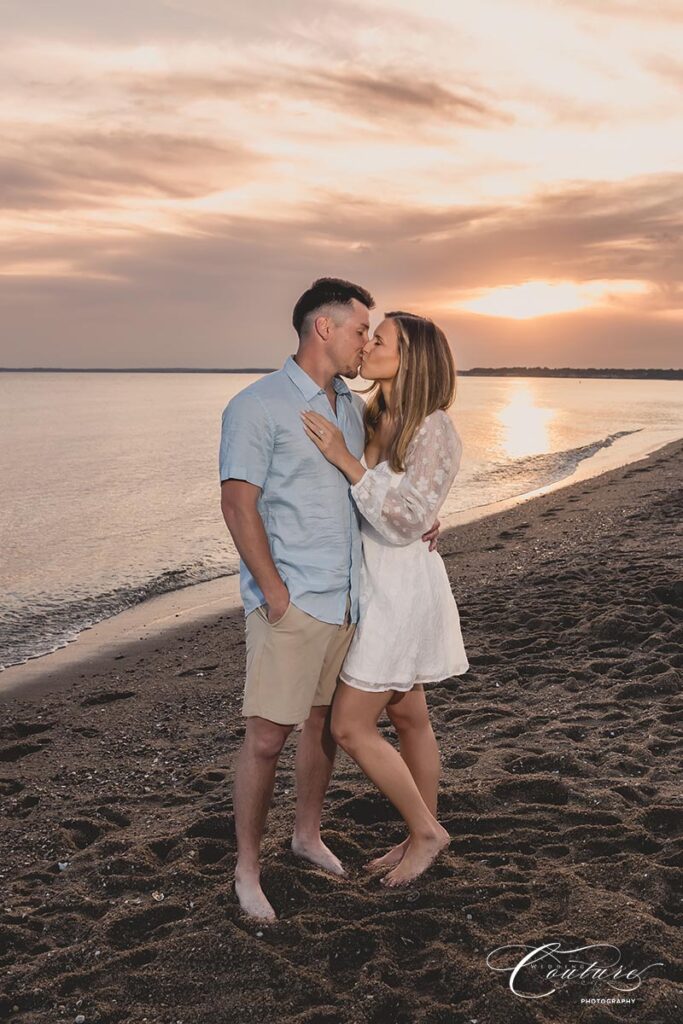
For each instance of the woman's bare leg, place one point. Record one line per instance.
(409, 715)
(354, 727)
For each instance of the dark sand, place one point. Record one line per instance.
(560, 789)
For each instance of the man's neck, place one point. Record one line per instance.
(322, 375)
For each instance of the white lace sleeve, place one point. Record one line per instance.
(403, 511)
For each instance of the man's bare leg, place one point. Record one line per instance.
(314, 762)
(252, 794)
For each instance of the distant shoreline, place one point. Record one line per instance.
(477, 371)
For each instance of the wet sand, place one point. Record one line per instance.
(561, 791)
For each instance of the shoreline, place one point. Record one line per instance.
(143, 626)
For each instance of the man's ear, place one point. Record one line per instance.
(322, 326)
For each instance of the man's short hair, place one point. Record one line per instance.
(324, 292)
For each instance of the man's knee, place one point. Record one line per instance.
(266, 738)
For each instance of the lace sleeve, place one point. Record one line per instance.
(403, 511)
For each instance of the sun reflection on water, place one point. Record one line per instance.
(524, 423)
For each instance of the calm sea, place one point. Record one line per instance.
(110, 491)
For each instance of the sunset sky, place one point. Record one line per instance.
(173, 175)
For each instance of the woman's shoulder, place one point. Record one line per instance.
(435, 440)
(438, 424)
(439, 416)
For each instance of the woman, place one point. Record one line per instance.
(409, 628)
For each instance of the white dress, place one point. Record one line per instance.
(409, 627)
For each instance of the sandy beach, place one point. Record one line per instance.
(561, 791)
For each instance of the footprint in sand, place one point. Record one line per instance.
(664, 821)
(82, 831)
(350, 948)
(564, 764)
(9, 786)
(17, 751)
(132, 929)
(366, 810)
(114, 815)
(533, 791)
(196, 670)
(213, 826)
(460, 759)
(107, 696)
(208, 780)
(20, 730)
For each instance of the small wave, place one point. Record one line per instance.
(31, 632)
(514, 478)
(549, 466)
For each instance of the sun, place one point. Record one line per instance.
(544, 298)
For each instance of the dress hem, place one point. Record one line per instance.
(405, 686)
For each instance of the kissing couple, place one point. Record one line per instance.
(331, 503)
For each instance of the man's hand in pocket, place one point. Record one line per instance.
(278, 605)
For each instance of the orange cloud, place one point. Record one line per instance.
(179, 179)
(85, 168)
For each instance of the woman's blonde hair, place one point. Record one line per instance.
(426, 381)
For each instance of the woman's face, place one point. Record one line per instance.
(381, 357)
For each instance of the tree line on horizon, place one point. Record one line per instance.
(572, 371)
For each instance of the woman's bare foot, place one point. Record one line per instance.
(390, 859)
(318, 854)
(422, 852)
(252, 898)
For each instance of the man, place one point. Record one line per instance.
(296, 528)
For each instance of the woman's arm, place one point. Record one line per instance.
(402, 511)
(374, 484)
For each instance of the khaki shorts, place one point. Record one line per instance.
(293, 664)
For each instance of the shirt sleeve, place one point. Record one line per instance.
(403, 511)
(247, 439)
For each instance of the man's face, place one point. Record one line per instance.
(347, 338)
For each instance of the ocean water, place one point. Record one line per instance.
(110, 489)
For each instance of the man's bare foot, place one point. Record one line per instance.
(390, 859)
(317, 853)
(421, 853)
(252, 898)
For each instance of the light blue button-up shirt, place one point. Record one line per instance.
(312, 524)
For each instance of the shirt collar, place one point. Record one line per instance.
(306, 385)
(340, 387)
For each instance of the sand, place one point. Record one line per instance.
(560, 790)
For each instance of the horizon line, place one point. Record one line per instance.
(271, 369)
